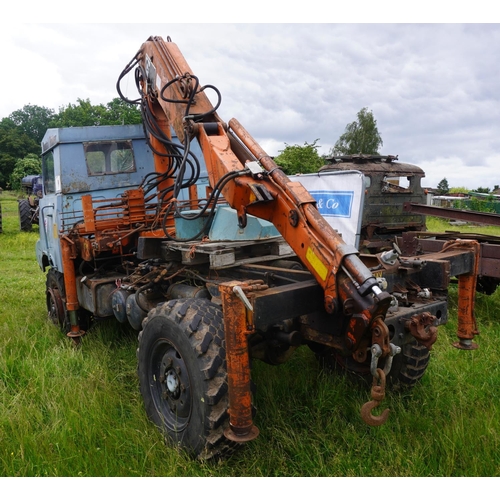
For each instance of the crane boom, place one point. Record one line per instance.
(173, 95)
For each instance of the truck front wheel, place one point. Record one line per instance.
(54, 293)
(182, 374)
(55, 297)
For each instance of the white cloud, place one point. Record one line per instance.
(460, 175)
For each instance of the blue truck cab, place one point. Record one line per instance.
(102, 161)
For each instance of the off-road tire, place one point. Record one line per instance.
(487, 284)
(182, 375)
(408, 367)
(55, 297)
(25, 221)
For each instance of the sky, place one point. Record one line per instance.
(433, 87)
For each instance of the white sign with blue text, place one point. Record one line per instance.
(339, 197)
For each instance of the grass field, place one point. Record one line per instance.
(78, 412)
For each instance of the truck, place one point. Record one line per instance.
(184, 229)
(389, 184)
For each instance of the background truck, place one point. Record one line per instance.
(389, 184)
(186, 230)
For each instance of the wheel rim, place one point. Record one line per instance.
(55, 306)
(170, 387)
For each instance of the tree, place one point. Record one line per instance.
(84, 114)
(120, 112)
(14, 144)
(360, 136)
(482, 190)
(29, 165)
(299, 159)
(443, 187)
(33, 120)
(459, 190)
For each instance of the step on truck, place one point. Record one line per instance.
(186, 230)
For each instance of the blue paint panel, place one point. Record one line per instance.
(334, 203)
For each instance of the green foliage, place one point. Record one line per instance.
(487, 205)
(300, 159)
(33, 120)
(443, 186)
(29, 165)
(14, 144)
(360, 136)
(482, 190)
(461, 189)
(84, 114)
(120, 112)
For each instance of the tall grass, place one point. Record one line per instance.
(77, 412)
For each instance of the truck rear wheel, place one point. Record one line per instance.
(25, 222)
(182, 374)
(407, 369)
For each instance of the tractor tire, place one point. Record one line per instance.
(182, 375)
(25, 222)
(55, 297)
(407, 369)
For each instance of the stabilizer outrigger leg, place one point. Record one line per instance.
(467, 327)
(238, 323)
(68, 253)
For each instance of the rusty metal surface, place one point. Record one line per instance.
(453, 213)
(377, 396)
(423, 328)
(413, 243)
(373, 164)
(237, 327)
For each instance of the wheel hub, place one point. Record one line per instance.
(175, 386)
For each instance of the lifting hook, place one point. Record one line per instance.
(377, 394)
